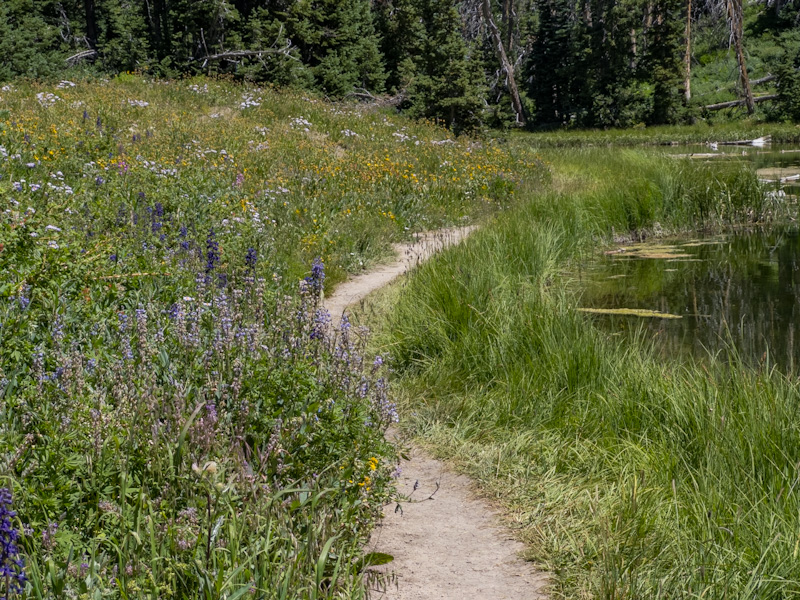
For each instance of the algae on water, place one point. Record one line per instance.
(630, 312)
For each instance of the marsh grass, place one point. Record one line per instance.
(701, 133)
(629, 476)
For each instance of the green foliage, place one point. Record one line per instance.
(177, 419)
(337, 40)
(439, 72)
(788, 73)
(30, 44)
(630, 476)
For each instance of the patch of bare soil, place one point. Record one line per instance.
(447, 543)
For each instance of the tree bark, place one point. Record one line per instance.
(497, 39)
(732, 103)
(687, 59)
(91, 23)
(735, 17)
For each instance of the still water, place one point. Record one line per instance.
(736, 291)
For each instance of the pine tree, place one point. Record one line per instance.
(338, 42)
(665, 61)
(554, 62)
(440, 74)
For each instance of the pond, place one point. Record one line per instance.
(739, 291)
(736, 291)
(774, 163)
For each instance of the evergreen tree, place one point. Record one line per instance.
(31, 40)
(664, 61)
(338, 42)
(554, 62)
(440, 74)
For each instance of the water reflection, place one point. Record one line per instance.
(740, 290)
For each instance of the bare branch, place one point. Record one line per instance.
(75, 58)
(733, 103)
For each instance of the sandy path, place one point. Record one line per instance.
(447, 543)
(355, 289)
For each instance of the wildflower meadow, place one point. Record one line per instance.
(179, 417)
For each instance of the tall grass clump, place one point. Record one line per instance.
(629, 476)
(633, 194)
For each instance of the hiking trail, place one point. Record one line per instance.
(447, 543)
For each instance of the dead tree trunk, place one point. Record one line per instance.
(91, 23)
(687, 59)
(735, 18)
(734, 103)
(506, 65)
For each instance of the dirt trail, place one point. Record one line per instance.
(447, 543)
(355, 289)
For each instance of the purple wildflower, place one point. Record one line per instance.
(251, 258)
(12, 566)
(316, 280)
(322, 319)
(212, 251)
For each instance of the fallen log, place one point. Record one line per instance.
(762, 80)
(71, 60)
(758, 142)
(733, 103)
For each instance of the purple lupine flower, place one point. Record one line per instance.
(251, 258)
(22, 299)
(127, 353)
(316, 280)
(49, 534)
(99, 181)
(12, 566)
(239, 180)
(58, 328)
(212, 251)
(85, 115)
(321, 320)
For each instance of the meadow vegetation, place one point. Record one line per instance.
(628, 475)
(179, 419)
(701, 132)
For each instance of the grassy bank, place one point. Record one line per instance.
(628, 476)
(177, 417)
(703, 132)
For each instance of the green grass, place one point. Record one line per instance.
(703, 132)
(628, 476)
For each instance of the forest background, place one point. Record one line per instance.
(498, 63)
